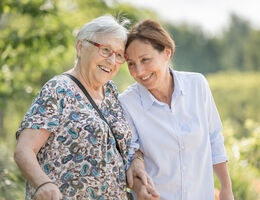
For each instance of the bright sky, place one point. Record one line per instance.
(212, 15)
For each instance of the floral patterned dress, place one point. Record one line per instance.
(80, 155)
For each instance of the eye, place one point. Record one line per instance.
(106, 49)
(145, 59)
(130, 64)
(119, 55)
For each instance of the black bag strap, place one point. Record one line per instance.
(94, 106)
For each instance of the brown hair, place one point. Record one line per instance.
(151, 31)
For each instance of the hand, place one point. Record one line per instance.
(137, 169)
(47, 192)
(147, 193)
(226, 194)
(143, 186)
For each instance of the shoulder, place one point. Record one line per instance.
(111, 88)
(191, 79)
(56, 87)
(190, 76)
(57, 81)
(130, 94)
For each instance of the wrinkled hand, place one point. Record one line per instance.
(226, 194)
(47, 192)
(145, 189)
(147, 193)
(137, 169)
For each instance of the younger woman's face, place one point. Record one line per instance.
(147, 65)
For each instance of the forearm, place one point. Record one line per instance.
(221, 171)
(29, 166)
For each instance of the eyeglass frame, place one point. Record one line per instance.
(112, 52)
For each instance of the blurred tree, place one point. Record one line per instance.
(233, 43)
(195, 51)
(236, 49)
(252, 51)
(33, 40)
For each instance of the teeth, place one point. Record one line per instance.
(145, 78)
(105, 69)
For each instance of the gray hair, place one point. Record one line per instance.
(103, 25)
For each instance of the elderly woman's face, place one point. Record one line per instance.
(97, 68)
(147, 65)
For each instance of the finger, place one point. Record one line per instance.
(150, 182)
(152, 191)
(144, 194)
(129, 177)
(143, 177)
(152, 188)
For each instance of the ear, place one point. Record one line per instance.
(168, 53)
(79, 48)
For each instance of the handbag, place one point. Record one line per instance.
(83, 89)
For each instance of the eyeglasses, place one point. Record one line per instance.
(106, 52)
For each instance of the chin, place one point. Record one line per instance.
(147, 86)
(104, 80)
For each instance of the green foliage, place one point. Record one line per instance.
(236, 96)
(252, 58)
(233, 43)
(33, 47)
(12, 184)
(123, 78)
(237, 48)
(244, 173)
(194, 50)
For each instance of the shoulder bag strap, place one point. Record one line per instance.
(93, 104)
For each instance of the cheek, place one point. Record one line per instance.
(115, 70)
(117, 67)
(131, 71)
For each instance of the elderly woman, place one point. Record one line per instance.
(174, 119)
(65, 148)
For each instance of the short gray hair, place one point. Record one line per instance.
(103, 25)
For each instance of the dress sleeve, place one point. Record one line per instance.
(111, 87)
(215, 128)
(45, 110)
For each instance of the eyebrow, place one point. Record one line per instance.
(138, 56)
(109, 46)
(143, 55)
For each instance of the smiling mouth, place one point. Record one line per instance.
(147, 77)
(107, 70)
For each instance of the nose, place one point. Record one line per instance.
(139, 70)
(112, 59)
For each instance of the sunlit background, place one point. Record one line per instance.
(212, 16)
(220, 39)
